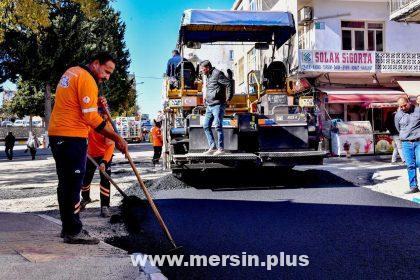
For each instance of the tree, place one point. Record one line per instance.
(33, 15)
(28, 100)
(70, 38)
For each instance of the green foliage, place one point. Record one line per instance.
(76, 30)
(27, 101)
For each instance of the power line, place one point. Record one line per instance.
(143, 77)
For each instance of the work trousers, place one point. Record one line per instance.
(104, 185)
(157, 153)
(9, 152)
(70, 159)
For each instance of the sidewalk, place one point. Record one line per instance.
(393, 181)
(30, 248)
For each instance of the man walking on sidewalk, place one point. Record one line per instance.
(407, 122)
(75, 111)
(219, 90)
(9, 142)
(101, 149)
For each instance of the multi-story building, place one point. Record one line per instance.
(405, 10)
(348, 50)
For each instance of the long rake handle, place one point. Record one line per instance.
(145, 190)
(108, 177)
(151, 202)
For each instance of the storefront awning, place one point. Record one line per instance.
(362, 95)
(410, 86)
(382, 105)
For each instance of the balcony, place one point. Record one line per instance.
(405, 10)
(359, 61)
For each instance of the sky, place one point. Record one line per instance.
(151, 34)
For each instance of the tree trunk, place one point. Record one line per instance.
(30, 124)
(47, 105)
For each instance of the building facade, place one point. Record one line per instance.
(351, 51)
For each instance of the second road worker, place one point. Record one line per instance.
(101, 149)
(75, 111)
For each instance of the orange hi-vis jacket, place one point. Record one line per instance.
(100, 146)
(156, 137)
(75, 107)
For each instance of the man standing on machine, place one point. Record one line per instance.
(219, 91)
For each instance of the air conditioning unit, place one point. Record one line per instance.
(305, 15)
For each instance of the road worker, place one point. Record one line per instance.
(157, 142)
(101, 150)
(75, 112)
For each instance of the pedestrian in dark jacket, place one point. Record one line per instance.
(218, 91)
(9, 143)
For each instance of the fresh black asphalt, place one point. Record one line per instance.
(348, 232)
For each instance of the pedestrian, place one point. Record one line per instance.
(101, 150)
(407, 122)
(396, 141)
(32, 144)
(219, 91)
(157, 142)
(75, 112)
(418, 100)
(9, 142)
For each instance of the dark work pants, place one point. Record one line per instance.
(104, 185)
(70, 160)
(9, 152)
(157, 153)
(33, 152)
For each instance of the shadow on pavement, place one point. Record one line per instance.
(223, 180)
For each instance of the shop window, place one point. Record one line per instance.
(336, 111)
(356, 113)
(359, 36)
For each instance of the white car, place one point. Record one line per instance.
(37, 123)
(6, 123)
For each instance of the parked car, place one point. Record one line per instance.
(19, 123)
(37, 123)
(6, 124)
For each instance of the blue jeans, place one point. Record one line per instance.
(411, 152)
(214, 113)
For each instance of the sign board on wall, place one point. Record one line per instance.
(337, 61)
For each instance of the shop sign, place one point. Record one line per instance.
(383, 144)
(337, 61)
(175, 103)
(306, 101)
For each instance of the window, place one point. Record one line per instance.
(375, 37)
(252, 59)
(231, 57)
(305, 37)
(360, 36)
